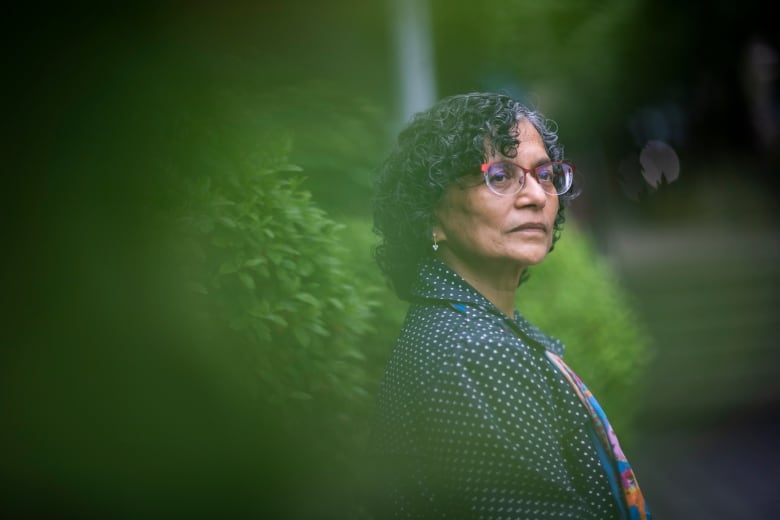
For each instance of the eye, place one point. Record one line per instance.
(545, 173)
(557, 175)
(552, 174)
(501, 173)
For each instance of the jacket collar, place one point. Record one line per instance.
(437, 281)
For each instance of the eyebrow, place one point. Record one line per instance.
(541, 162)
(536, 164)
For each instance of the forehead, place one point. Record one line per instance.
(530, 145)
(526, 131)
(530, 142)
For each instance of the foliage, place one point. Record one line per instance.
(389, 313)
(265, 261)
(231, 390)
(283, 298)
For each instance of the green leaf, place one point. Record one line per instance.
(319, 329)
(262, 331)
(356, 354)
(275, 257)
(227, 268)
(289, 168)
(308, 298)
(228, 222)
(276, 319)
(255, 261)
(247, 280)
(302, 336)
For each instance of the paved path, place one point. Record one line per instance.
(725, 471)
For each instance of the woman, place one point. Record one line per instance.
(477, 414)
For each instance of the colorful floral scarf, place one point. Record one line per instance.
(624, 484)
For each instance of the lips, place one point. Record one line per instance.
(530, 226)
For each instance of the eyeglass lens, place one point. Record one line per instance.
(507, 178)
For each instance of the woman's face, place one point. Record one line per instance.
(481, 231)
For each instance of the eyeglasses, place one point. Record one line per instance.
(507, 178)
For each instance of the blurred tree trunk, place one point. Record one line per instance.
(415, 60)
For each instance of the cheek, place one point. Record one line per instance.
(459, 212)
(487, 225)
(475, 217)
(552, 208)
(553, 215)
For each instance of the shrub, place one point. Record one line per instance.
(389, 312)
(267, 265)
(268, 294)
(125, 381)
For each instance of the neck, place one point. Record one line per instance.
(496, 283)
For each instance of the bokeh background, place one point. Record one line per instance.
(193, 322)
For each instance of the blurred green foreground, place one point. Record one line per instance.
(189, 334)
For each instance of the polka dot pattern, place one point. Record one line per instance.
(473, 421)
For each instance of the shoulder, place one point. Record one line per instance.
(453, 339)
(449, 327)
(550, 343)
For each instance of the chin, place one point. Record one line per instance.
(531, 257)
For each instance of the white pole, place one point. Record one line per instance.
(414, 50)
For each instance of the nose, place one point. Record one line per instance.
(531, 194)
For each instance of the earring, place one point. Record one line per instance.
(435, 246)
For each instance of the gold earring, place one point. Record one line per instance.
(435, 245)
